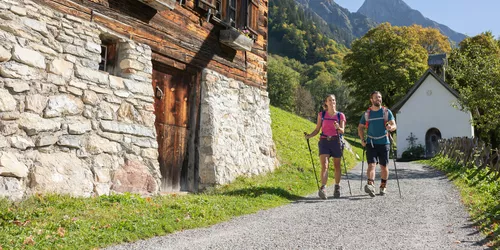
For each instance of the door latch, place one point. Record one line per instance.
(158, 93)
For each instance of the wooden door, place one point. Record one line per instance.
(432, 142)
(172, 93)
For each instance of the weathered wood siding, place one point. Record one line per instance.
(177, 37)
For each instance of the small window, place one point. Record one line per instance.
(108, 56)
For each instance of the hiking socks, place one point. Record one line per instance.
(383, 183)
(336, 192)
(370, 182)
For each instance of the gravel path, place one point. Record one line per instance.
(429, 216)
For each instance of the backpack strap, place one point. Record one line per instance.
(338, 117)
(322, 119)
(367, 118)
(386, 115)
(386, 119)
(323, 113)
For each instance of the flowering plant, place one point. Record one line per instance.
(246, 33)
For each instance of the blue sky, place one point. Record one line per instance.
(464, 16)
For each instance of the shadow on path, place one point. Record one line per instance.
(313, 199)
(403, 173)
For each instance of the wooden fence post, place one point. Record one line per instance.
(471, 152)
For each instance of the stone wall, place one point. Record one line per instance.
(65, 126)
(235, 136)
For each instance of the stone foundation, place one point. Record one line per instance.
(235, 137)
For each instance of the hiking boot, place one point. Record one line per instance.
(383, 190)
(322, 193)
(370, 189)
(336, 192)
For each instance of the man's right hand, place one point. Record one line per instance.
(363, 143)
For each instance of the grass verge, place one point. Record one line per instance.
(63, 222)
(480, 193)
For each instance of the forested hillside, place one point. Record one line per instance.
(301, 35)
(305, 62)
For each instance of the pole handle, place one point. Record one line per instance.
(308, 145)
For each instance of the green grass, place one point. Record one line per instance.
(356, 146)
(480, 193)
(62, 222)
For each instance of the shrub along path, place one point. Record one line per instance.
(428, 216)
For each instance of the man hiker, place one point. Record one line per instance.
(379, 122)
(332, 124)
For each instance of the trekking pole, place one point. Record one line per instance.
(346, 175)
(312, 161)
(362, 164)
(394, 159)
(345, 167)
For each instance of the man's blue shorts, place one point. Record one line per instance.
(378, 153)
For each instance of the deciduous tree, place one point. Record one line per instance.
(475, 73)
(431, 39)
(388, 59)
(283, 82)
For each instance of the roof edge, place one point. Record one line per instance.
(428, 72)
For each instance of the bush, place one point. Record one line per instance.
(413, 153)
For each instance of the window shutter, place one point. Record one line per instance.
(221, 8)
(232, 13)
(241, 18)
(253, 15)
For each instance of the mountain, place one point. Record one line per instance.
(346, 26)
(398, 13)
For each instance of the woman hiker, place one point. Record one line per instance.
(332, 124)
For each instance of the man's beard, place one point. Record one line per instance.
(376, 104)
